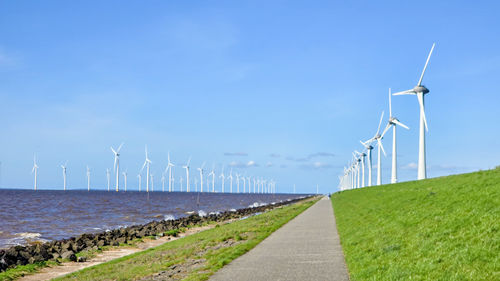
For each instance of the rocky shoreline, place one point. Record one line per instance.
(68, 248)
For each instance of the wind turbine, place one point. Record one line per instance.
(244, 184)
(420, 91)
(147, 164)
(212, 173)
(88, 178)
(362, 156)
(230, 177)
(140, 181)
(249, 187)
(253, 184)
(238, 182)
(187, 173)
(125, 179)
(393, 121)
(116, 166)
(64, 174)
(35, 171)
(369, 149)
(223, 179)
(180, 183)
(201, 176)
(378, 137)
(169, 167)
(196, 183)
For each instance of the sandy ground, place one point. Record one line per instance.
(49, 273)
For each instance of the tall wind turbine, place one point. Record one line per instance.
(367, 145)
(147, 164)
(35, 171)
(88, 178)
(187, 173)
(420, 91)
(212, 173)
(170, 166)
(140, 181)
(223, 179)
(125, 179)
(378, 138)
(237, 183)
(116, 166)
(230, 177)
(64, 174)
(249, 187)
(362, 156)
(201, 176)
(393, 121)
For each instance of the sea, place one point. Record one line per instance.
(28, 216)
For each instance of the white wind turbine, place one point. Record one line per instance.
(201, 176)
(367, 145)
(223, 179)
(230, 177)
(163, 182)
(140, 181)
(180, 183)
(64, 174)
(35, 172)
(88, 178)
(420, 91)
(393, 121)
(196, 183)
(237, 183)
(147, 164)
(187, 173)
(125, 179)
(362, 156)
(212, 173)
(169, 167)
(378, 137)
(249, 186)
(116, 166)
(244, 184)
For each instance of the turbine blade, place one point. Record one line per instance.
(120, 147)
(144, 165)
(407, 92)
(189, 160)
(420, 97)
(169, 157)
(380, 123)
(381, 146)
(426, 63)
(401, 124)
(386, 129)
(113, 150)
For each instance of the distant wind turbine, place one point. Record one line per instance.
(201, 176)
(147, 164)
(125, 179)
(35, 172)
(116, 166)
(187, 173)
(169, 167)
(393, 121)
(238, 182)
(64, 174)
(420, 91)
(140, 181)
(223, 179)
(230, 177)
(212, 173)
(88, 178)
(108, 177)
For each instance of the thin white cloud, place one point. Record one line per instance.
(316, 165)
(274, 155)
(410, 166)
(235, 154)
(310, 157)
(238, 164)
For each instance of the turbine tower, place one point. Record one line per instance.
(88, 178)
(420, 91)
(116, 166)
(230, 177)
(180, 183)
(362, 156)
(187, 173)
(393, 122)
(140, 181)
(147, 164)
(201, 176)
(223, 179)
(249, 186)
(35, 172)
(125, 179)
(152, 183)
(237, 183)
(169, 167)
(196, 183)
(64, 174)
(212, 173)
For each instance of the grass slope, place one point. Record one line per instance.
(437, 229)
(198, 255)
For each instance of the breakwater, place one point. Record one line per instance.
(68, 248)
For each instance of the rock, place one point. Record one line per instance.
(69, 255)
(55, 256)
(100, 243)
(81, 259)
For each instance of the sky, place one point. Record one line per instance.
(281, 90)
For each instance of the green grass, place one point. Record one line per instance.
(437, 229)
(210, 249)
(23, 270)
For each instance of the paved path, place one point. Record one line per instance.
(306, 248)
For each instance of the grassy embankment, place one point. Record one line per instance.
(197, 256)
(437, 229)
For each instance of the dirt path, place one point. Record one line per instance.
(49, 273)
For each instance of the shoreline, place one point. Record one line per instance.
(67, 249)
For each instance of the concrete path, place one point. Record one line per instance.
(306, 248)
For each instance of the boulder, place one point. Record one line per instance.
(69, 255)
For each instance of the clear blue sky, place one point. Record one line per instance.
(290, 85)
